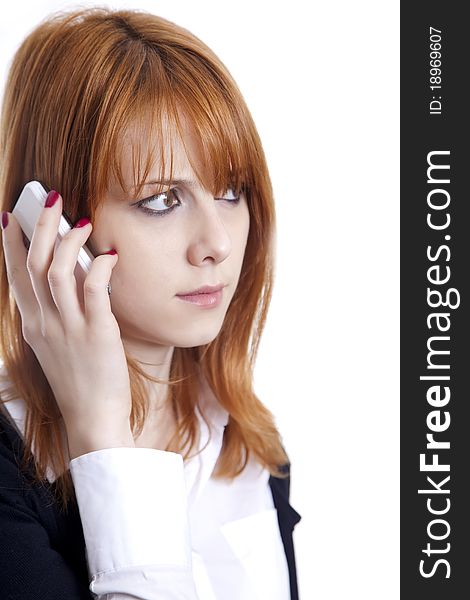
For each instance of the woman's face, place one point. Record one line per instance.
(200, 242)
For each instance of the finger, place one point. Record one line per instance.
(62, 281)
(96, 298)
(41, 253)
(19, 279)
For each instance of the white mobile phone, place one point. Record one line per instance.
(27, 210)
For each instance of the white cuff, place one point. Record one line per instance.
(133, 508)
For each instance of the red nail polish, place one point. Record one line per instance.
(51, 199)
(4, 219)
(82, 222)
(113, 251)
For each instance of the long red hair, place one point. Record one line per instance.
(75, 83)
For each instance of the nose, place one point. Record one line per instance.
(210, 239)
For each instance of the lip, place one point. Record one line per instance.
(205, 289)
(208, 296)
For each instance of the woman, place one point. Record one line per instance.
(149, 467)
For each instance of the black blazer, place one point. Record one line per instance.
(287, 517)
(42, 549)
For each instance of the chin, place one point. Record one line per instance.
(192, 340)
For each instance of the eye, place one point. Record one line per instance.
(166, 199)
(162, 199)
(233, 198)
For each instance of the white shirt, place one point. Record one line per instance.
(180, 535)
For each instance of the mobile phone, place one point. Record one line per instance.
(27, 209)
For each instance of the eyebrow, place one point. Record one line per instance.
(188, 182)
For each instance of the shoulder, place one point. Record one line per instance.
(12, 478)
(15, 476)
(12, 420)
(13, 410)
(9, 437)
(280, 488)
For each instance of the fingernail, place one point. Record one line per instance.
(51, 199)
(82, 222)
(113, 251)
(4, 219)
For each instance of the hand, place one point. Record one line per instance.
(79, 349)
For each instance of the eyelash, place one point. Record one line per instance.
(161, 213)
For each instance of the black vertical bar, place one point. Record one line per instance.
(435, 268)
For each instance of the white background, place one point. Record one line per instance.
(322, 82)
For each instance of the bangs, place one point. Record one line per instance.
(168, 93)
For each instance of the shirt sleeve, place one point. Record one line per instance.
(134, 514)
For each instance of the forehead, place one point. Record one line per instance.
(144, 141)
(150, 151)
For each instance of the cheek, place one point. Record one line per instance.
(146, 263)
(148, 271)
(243, 228)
